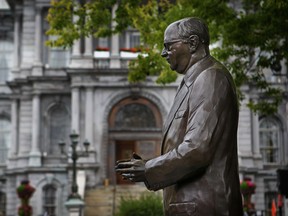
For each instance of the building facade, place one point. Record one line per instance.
(46, 93)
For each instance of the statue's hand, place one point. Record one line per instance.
(136, 156)
(133, 170)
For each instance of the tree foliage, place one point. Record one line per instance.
(251, 35)
(148, 204)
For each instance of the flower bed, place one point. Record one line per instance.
(102, 49)
(102, 52)
(132, 50)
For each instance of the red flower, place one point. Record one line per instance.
(102, 49)
(134, 50)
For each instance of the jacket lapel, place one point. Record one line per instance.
(188, 80)
(179, 98)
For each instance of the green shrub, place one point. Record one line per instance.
(147, 205)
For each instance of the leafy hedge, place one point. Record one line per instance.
(146, 205)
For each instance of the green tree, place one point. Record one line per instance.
(251, 35)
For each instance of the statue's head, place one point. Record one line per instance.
(185, 42)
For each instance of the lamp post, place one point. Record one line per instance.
(74, 202)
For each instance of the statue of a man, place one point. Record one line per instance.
(198, 166)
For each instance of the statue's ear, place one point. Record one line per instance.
(194, 42)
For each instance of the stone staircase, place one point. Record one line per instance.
(103, 201)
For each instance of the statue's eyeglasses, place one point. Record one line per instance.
(168, 45)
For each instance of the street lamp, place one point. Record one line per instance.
(74, 199)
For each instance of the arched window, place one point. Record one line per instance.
(49, 200)
(135, 115)
(59, 127)
(5, 129)
(270, 140)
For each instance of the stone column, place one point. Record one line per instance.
(76, 51)
(38, 67)
(88, 54)
(35, 155)
(76, 58)
(16, 53)
(75, 109)
(255, 141)
(88, 46)
(89, 118)
(14, 131)
(255, 133)
(115, 57)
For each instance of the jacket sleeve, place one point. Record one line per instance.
(206, 102)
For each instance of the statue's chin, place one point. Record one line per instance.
(173, 67)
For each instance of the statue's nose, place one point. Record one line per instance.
(164, 53)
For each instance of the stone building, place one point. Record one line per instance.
(46, 93)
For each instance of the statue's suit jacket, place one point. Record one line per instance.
(198, 168)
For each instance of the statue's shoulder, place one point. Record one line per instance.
(213, 70)
(205, 67)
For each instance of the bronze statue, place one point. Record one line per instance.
(198, 168)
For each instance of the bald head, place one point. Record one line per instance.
(184, 28)
(186, 42)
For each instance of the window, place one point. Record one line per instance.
(134, 39)
(102, 44)
(130, 39)
(59, 127)
(5, 128)
(101, 52)
(135, 116)
(53, 57)
(6, 46)
(270, 140)
(49, 200)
